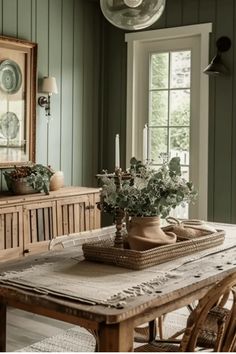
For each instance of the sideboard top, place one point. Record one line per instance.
(7, 198)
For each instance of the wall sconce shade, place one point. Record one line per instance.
(132, 14)
(216, 66)
(49, 86)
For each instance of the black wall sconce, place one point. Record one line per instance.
(49, 86)
(216, 66)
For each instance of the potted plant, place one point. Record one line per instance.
(145, 195)
(28, 179)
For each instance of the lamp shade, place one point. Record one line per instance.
(49, 85)
(216, 67)
(132, 14)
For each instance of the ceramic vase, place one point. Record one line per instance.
(145, 233)
(57, 181)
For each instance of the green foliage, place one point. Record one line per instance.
(147, 192)
(37, 176)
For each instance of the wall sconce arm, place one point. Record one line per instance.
(49, 86)
(45, 102)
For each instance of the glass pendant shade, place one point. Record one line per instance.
(132, 14)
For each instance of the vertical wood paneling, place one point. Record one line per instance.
(222, 106)
(67, 49)
(33, 20)
(66, 89)
(96, 97)
(1, 16)
(88, 143)
(10, 17)
(174, 13)
(78, 93)
(223, 118)
(114, 93)
(190, 12)
(24, 19)
(41, 38)
(55, 48)
(233, 162)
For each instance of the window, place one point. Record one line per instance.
(167, 90)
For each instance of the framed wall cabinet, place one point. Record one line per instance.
(28, 223)
(18, 70)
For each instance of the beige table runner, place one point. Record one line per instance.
(95, 283)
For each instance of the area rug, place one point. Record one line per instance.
(76, 339)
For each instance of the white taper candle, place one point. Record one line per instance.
(117, 151)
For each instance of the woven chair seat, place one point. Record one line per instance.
(141, 334)
(158, 347)
(208, 334)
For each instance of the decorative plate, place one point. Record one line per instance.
(9, 125)
(10, 76)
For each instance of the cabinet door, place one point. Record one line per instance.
(11, 233)
(75, 214)
(39, 226)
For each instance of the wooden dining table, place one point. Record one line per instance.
(114, 327)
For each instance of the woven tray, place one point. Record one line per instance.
(105, 252)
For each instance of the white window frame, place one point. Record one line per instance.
(135, 120)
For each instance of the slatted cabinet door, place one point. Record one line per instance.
(11, 233)
(39, 226)
(78, 213)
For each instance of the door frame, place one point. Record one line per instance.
(135, 42)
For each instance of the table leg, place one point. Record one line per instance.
(3, 325)
(117, 337)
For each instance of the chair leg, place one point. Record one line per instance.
(152, 330)
(160, 326)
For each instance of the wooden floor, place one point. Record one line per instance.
(25, 328)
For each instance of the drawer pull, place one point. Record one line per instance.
(26, 251)
(88, 207)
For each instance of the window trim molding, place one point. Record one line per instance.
(134, 40)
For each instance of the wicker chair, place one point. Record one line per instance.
(222, 338)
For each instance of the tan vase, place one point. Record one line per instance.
(57, 181)
(145, 233)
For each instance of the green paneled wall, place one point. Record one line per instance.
(68, 37)
(88, 57)
(222, 116)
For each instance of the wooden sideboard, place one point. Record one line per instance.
(29, 222)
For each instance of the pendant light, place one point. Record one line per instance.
(132, 14)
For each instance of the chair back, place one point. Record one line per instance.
(226, 332)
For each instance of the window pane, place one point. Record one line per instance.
(159, 70)
(185, 172)
(180, 69)
(158, 143)
(180, 107)
(158, 108)
(182, 211)
(179, 144)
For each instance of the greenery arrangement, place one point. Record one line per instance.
(146, 191)
(37, 176)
